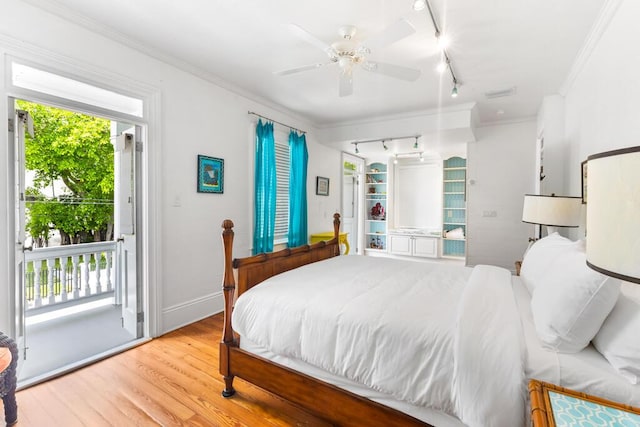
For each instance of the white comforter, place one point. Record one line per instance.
(433, 335)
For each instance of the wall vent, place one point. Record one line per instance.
(500, 93)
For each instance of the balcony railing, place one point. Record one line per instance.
(68, 274)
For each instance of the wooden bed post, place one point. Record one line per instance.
(228, 290)
(336, 229)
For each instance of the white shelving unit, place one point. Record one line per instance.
(454, 211)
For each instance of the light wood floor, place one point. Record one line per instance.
(171, 381)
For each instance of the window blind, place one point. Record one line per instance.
(282, 188)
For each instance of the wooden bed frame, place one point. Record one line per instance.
(319, 398)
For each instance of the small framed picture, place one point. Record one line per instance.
(322, 186)
(210, 174)
(583, 180)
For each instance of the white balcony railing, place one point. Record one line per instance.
(68, 274)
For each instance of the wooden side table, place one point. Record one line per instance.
(555, 406)
(318, 237)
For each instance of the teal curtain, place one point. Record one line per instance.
(298, 159)
(265, 189)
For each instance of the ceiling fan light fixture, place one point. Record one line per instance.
(419, 5)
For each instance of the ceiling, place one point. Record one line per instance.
(496, 45)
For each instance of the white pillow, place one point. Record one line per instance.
(540, 256)
(619, 337)
(571, 301)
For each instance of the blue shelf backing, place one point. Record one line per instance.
(454, 214)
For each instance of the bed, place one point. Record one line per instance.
(409, 343)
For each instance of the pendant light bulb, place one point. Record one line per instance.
(415, 144)
(454, 91)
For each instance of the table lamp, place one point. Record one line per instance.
(613, 213)
(552, 211)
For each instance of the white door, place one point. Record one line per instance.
(19, 122)
(128, 285)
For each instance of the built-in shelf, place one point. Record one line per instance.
(454, 212)
(376, 205)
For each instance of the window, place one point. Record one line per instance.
(282, 188)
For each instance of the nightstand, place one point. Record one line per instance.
(555, 406)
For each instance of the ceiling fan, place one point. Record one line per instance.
(349, 54)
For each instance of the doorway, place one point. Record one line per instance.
(76, 190)
(352, 172)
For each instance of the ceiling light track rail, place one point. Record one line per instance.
(275, 121)
(447, 59)
(395, 138)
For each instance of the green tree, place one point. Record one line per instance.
(76, 149)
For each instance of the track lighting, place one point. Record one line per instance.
(419, 4)
(442, 42)
(384, 143)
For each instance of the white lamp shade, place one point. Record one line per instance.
(557, 211)
(613, 213)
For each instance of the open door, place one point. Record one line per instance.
(20, 122)
(351, 195)
(128, 285)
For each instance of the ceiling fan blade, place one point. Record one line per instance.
(298, 69)
(389, 35)
(396, 71)
(345, 87)
(310, 38)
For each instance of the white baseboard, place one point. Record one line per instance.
(188, 312)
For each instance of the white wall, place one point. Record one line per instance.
(500, 170)
(195, 117)
(602, 92)
(602, 100)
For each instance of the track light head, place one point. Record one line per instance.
(419, 5)
(415, 144)
(454, 91)
(357, 151)
(384, 146)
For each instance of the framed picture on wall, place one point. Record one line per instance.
(322, 186)
(583, 180)
(210, 174)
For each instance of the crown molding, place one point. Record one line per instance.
(55, 8)
(607, 12)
